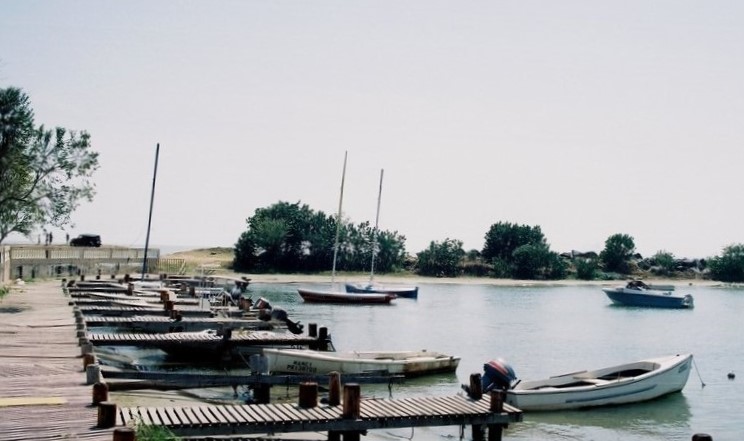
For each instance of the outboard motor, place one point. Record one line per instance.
(497, 374)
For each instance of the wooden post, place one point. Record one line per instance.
(82, 277)
(124, 434)
(352, 402)
(130, 289)
(334, 435)
(476, 389)
(93, 373)
(312, 330)
(106, 414)
(262, 393)
(702, 437)
(87, 360)
(495, 431)
(169, 305)
(100, 393)
(334, 389)
(308, 394)
(126, 278)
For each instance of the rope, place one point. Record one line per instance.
(698, 372)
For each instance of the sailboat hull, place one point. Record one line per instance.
(410, 292)
(319, 296)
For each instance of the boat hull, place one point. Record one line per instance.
(648, 298)
(316, 296)
(407, 363)
(410, 292)
(664, 375)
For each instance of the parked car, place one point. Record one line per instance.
(86, 240)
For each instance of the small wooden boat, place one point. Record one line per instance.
(407, 363)
(637, 293)
(626, 383)
(326, 296)
(410, 292)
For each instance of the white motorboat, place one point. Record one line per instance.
(407, 363)
(626, 383)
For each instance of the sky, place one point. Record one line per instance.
(584, 118)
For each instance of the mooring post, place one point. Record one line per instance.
(125, 434)
(92, 374)
(702, 437)
(476, 389)
(352, 408)
(130, 289)
(312, 330)
(308, 394)
(100, 392)
(334, 388)
(352, 402)
(495, 431)
(262, 393)
(88, 359)
(106, 414)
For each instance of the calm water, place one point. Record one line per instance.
(549, 331)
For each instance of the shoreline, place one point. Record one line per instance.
(418, 280)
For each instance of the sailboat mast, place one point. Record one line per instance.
(374, 233)
(338, 221)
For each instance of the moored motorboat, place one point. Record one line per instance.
(410, 292)
(407, 363)
(637, 293)
(329, 296)
(625, 383)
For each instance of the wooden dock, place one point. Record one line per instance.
(42, 384)
(46, 394)
(280, 418)
(161, 324)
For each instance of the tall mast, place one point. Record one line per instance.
(338, 221)
(149, 219)
(374, 233)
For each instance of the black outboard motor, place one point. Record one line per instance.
(497, 374)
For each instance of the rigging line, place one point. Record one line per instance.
(702, 383)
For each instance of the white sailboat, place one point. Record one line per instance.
(375, 288)
(337, 296)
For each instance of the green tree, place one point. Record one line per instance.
(729, 266)
(664, 261)
(287, 237)
(536, 261)
(586, 269)
(503, 238)
(441, 259)
(618, 250)
(44, 174)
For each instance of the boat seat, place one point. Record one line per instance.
(595, 381)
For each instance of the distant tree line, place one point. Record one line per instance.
(289, 238)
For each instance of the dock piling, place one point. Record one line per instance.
(106, 414)
(124, 434)
(100, 393)
(334, 389)
(308, 394)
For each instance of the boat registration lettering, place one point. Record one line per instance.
(302, 366)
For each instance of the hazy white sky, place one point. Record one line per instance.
(587, 118)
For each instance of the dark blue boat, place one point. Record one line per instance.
(637, 293)
(410, 292)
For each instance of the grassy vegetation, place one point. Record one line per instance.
(4, 290)
(145, 432)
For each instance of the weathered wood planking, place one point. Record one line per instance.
(285, 417)
(40, 358)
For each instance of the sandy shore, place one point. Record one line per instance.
(220, 258)
(414, 280)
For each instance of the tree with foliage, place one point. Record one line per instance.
(663, 261)
(503, 238)
(44, 174)
(536, 261)
(586, 269)
(441, 259)
(729, 266)
(294, 238)
(618, 250)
